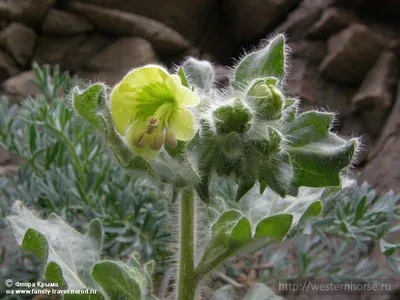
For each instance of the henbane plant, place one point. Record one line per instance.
(178, 130)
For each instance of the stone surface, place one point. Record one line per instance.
(373, 98)
(351, 53)
(20, 41)
(80, 55)
(332, 20)
(65, 23)
(190, 18)
(251, 19)
(312, 51)
(8, 66)
(374, 90)
(111, 64)
(21, 85)
(30, 12)
(302, 18)
(163, 38)
(382, 171)
(54, 49)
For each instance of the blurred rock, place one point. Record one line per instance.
(374, 90)
(332, 20)
(190, 18)
(302, 18)
(20, 41)
(8, 67)
(163, 38)
(382, 171)
(318, 92)
(382, 9)
(21, 85)
(296, 76)
(29, 12)
(351, 53)
(65, 23)
(373, 98)
(54, 49)
(81, 54)
(251, 19)
(312, 51)
(111, 64)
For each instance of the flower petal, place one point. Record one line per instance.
(182, 123)
(183, 96)
(124, 94)
(144, 151)
(140, 77)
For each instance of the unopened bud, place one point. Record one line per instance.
(170, 139)
(232, 118)
(267, 98)
(157, 141)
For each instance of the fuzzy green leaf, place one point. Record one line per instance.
(36, 243)
(274, 227)
(267, 62)
(65, 247)
(90, 103)
(53, 273)
(318, 156)
(116, 280)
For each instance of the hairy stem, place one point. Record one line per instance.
(186, 278)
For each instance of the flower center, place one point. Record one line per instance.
(155, 134)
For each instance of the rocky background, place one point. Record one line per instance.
(345, 53)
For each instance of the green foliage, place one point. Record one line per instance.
(73, 260)
(281, 170)
(66, 170)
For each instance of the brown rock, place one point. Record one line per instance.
(332, 20)
(189, 18)
(312, 51)
(54, 49)
(86, 51)
(30, 12)
(382, 171)
(65, 23)
(374, 90)
(21, 85)
(250, 19)
(318, 92)
(351, 53)
(373, 98)
(8, 67)
(163, 38)
(295, 78)
(300, 20)
(111, 64)
(19, 40)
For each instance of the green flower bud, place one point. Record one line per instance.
(232, 118)
(266, 98)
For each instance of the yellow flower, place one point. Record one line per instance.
(150, 106)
